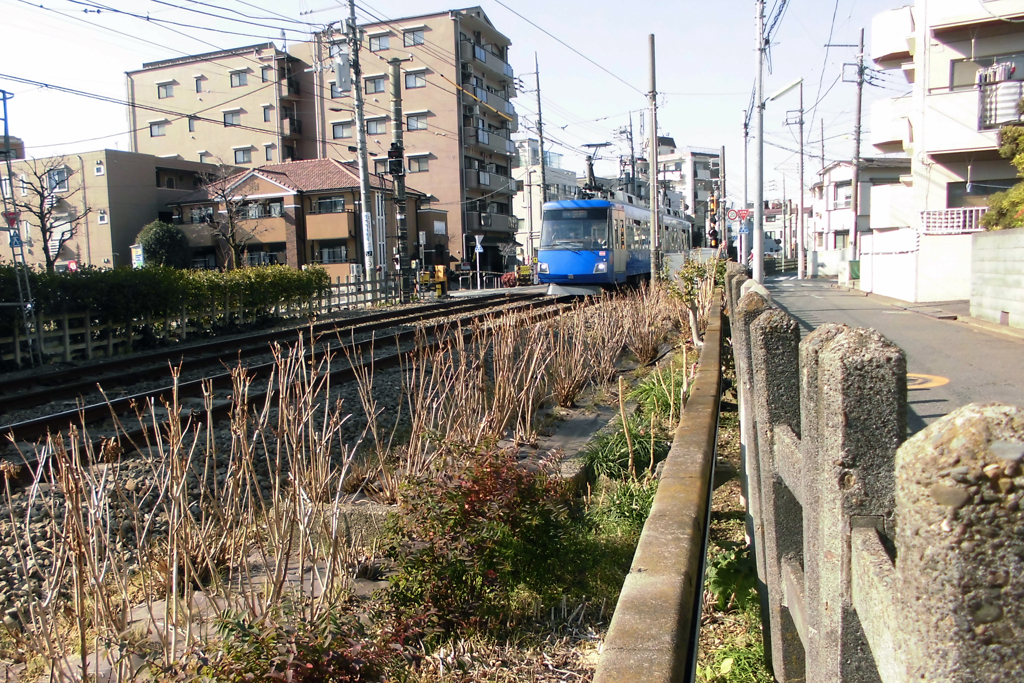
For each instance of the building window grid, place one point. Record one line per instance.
(376, 127)
(243, 156)
(191, 124)
(164, 91)
(415, 80)
(378, 43)
(419, 165)
(199, 85)
(374, 85)
(266, 114)
(157, 130)
(330, 205)
(416, 122)
(412, 38)
(269, 154)
(239, 78)
(232, 118)
(266, 73)
(342, 130)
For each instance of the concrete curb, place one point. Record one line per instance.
(652, 634)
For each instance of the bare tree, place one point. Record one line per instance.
(234, 222)
(44, 190)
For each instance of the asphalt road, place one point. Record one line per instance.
(980, 365)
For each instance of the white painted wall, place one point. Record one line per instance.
(997, 276)
(888, 263)
(944, 268)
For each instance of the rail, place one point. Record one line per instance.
(953, 221)
(653, 633)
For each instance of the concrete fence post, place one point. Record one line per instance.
(775, 350)
(861, 420)
(960, 546)
(810, 352)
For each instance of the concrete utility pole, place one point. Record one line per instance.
(529, 216)
(744, 242)
(396, 167)
(800, 268)
(652, 172)
(364, 173)
(540, 136)
(758, 241)
(722, 209)
(855, 188)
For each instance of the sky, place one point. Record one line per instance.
(593, 58)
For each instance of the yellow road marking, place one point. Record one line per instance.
(916, 381)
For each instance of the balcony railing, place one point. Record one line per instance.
(953, 221)
(291, 126)
(997, 103)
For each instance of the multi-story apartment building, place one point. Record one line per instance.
(965, 61)
(528, 205)
(235, 107)
(260, 104)
(99, 202)
(690, 172)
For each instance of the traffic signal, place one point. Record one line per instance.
(712, 204)
(396, 160)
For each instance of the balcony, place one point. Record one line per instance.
(890, 124)
(953, 221)
(892, 33)
(291, 126)
(329, 226)
(489, 222)
(505, 107)
(490, 63)
(952, 126)
(489, 140)
(289, 87)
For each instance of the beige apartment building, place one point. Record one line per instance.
(258, 105)
(102, 198)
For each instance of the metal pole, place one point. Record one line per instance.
(529, 217)
(652, 172)
(364, 173)
(785, 220)
(398, 153)
(540, 135)
(758, 241)
(722, 210)
(800, 268)
(855, 199)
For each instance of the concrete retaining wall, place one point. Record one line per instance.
(997, 277)
(652, 636)
(905, 265)
(877, 562)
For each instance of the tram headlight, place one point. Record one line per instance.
(542, 268)
(601, 267)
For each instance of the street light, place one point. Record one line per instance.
(801, 274)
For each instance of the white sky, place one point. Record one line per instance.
(705, 53)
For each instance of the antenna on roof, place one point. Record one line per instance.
(284, 41)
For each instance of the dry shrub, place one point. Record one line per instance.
(570, 366)
(643, 321)
(605, 327)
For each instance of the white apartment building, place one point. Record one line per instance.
(965, 61)
(527, 206)
(689, 176)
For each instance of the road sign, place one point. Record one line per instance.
(11, 218)
(743, 214)
(15, 239)
(138, 257)
(732, 214)
(479, 249)
(744, 229)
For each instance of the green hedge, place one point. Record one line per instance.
(124, 294)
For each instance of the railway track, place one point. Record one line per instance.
(93, 415)
(38, 389)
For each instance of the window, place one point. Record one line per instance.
(157, 129)
(100, 169)
(199, 84)
(5, 187)
(963, 73)
(276, 209)
(57, 180)
(266, 114)
(201, 214)
(376, 127)
(254, 210)
(267, 73)
(164, 91)
(232, 118)
(417, 122)
(169, 183)
(842, 195)
(976, 193)
(374, 85)
(191, 124)
(413, 38)
(342, 130)
(289, 153)
(239, 78)
(335, 90)
(416, 80)
(269, 153)
(330, 205)
(380, 166)
(243, 156)
(103, 219)
(203, 156)
(378, 43)
(418, 165)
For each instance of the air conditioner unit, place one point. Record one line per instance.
(476, 110)
(485, 220)
(467, 68)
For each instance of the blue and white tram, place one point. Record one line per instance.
(589, 244)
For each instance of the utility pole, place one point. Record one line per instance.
(396, 167)
(855, 202)
(529, 216)
(364, 173)
(540, 135)
(652, 172)
(744, 242)
(800, 269)
(758, 241)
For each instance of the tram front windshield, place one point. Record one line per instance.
(578, 229)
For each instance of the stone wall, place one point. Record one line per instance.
(997, 277)
(877, 561)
